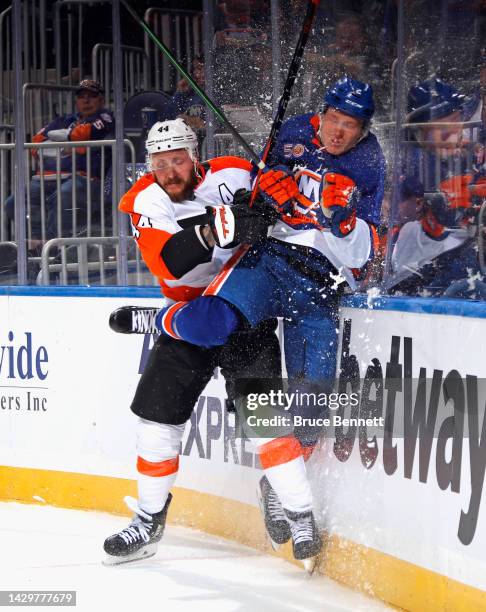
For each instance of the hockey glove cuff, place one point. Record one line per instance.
(339, 197)
(231, 225)
(437, 216)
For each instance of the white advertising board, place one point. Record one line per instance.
(66, 384)
(419, 496)
(67, 380)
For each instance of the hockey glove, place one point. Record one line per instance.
(279, 189)
(478, 190)
(438, 215)
(339, 196)
(231, 225)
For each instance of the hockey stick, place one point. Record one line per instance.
(291, 76)
(209, 103)
(288, 86)
(140, 320)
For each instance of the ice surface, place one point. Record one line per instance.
(46, 548)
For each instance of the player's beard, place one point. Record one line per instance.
(178, 189)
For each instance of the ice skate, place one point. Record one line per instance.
(306, 540)
(134, 320)
(276, 522)
(140, 539)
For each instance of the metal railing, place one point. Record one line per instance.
(225, 144)
(135, 70)
(43, 102)
(53, 194)
(34, 48)
(90, 261)
(71, 54)
(180, 31)
(6, 178)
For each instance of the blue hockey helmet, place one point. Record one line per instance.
(352, 97)
(431, 100)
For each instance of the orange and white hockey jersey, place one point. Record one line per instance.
(156, 219)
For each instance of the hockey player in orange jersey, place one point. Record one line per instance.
(178, 239)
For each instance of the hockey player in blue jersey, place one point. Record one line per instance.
(328, 195)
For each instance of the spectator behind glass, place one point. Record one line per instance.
(437, 253)
(186, 103)
(239, 45)
(349, 52)
(238, 27)
(90, 122)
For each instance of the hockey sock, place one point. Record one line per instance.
(157, 463)
(282, 460)
(206, 321)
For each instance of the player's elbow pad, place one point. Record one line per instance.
(184, 251)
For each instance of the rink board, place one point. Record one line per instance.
(67, 438)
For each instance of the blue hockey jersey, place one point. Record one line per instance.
(75, 128)
(299, 148)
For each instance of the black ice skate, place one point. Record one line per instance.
(306, 540)
(134, 320)
(276, 522)
(139, 540)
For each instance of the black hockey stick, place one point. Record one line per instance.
(288, 86)
(312, 7)
(216, 110)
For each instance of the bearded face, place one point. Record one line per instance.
(175, 173)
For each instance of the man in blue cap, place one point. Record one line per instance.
(327, 184)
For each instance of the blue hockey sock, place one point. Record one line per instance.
(206, 321)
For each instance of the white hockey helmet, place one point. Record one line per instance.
(170, 136)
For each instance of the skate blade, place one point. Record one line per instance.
(310, 564)
(140, 555)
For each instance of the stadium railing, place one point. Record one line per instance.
(180, 31)
(70, 51)
(90, 261)
(6, 177)
(34, 43)
(106, 223)
(135, 69)
(43, 102)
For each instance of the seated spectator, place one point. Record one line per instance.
(186, 103)
(240, 43)
(436, 150)
(237, 26)
(90, 122)
(439, 248)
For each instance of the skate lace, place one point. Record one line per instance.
(137, 530)
(275, 508)
(143, 320)
(302, 529)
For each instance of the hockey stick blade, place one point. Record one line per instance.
(134, 320)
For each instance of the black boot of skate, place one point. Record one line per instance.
(306, 540)
(140, 539)
(275, 520)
